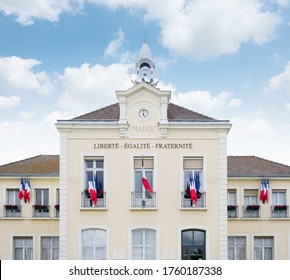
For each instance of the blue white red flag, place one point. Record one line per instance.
(145, 181)
(192, 187)
(264, 190)
(92, 191)
(21, 189)
(27, 189)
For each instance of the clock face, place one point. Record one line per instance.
(143, 114)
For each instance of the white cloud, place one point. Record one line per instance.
(287, 105)
(90, 87)
(280, 82)
(253, 134)
(204, 101)
(17, 73)
(29, 10)
(116, 44)
(27, 139)
(9, 102)
(200, 29)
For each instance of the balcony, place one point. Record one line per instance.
(143, 199)
(186, 201)
(87, 203)
(251, 211)
(12, 211)
(279, 211)
(41, 211)
(233, 211)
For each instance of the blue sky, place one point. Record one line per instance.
(225, 59)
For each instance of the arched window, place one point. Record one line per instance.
(93, 244)
(193, 244)
(143, 244)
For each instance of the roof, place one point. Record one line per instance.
(38, 166)
(252, 166)
(238, 166)
(174, 113)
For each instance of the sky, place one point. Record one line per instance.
(229, 60)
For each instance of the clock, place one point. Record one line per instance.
(143, 114)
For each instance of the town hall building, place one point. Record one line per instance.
(144, 179)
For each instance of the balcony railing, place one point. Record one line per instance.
(233, 211)
(41, 211)
(143, 199)
(279, 211)
(251, 211)
(87, 203)
(186, 201)
(12, 211)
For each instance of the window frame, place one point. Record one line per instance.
(51, 247)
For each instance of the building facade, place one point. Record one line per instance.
(144, 179)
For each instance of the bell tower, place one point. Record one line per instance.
(145, 67)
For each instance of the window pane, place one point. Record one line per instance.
(150, 237)
(88, 253)
(89, 164)
(187, 237)
(231, 253)
(241, 253)
(99, 163)
(150, 253)
(100, 253)
(88, 237)
(198, 238)
(137, 235)
(137, 253)
(231, 241)
(258, 253)
(100, 237)
(138, 181)
(268, 254)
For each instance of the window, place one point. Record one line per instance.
(232, 204)
(49, 248)
(279, 209)
(251, 208)
(12, 207)
(236, 248)
(193, 172)
(263, 248)
(140, 196)
(193, 244)
(94, 244)
(94, 175)
(22, 248)
(143, 244)
(41, 207)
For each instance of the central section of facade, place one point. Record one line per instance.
(143, 179)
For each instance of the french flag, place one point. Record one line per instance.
(27, 189)
(264, 190)
(193, 194)
(145, 181)
(21, 189)
(93, 191)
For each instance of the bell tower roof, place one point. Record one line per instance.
(145, 66)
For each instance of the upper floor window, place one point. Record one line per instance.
(232, 204)
(263, 248)
(279, 208)
(143, 244)
(236, 247)
(50, 248)
(57, 204)
(193, 193)
(94, 244)
(22, 248)
(251, 208)
(41, 206)
(12, 208)
(143, 194)
(93, 194)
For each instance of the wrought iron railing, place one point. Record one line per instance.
(251, 211)
(143, 199)
(279, 211)
(87, 202)
(233, 211)
(12, 211)
(41, 211)
(186, 201)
